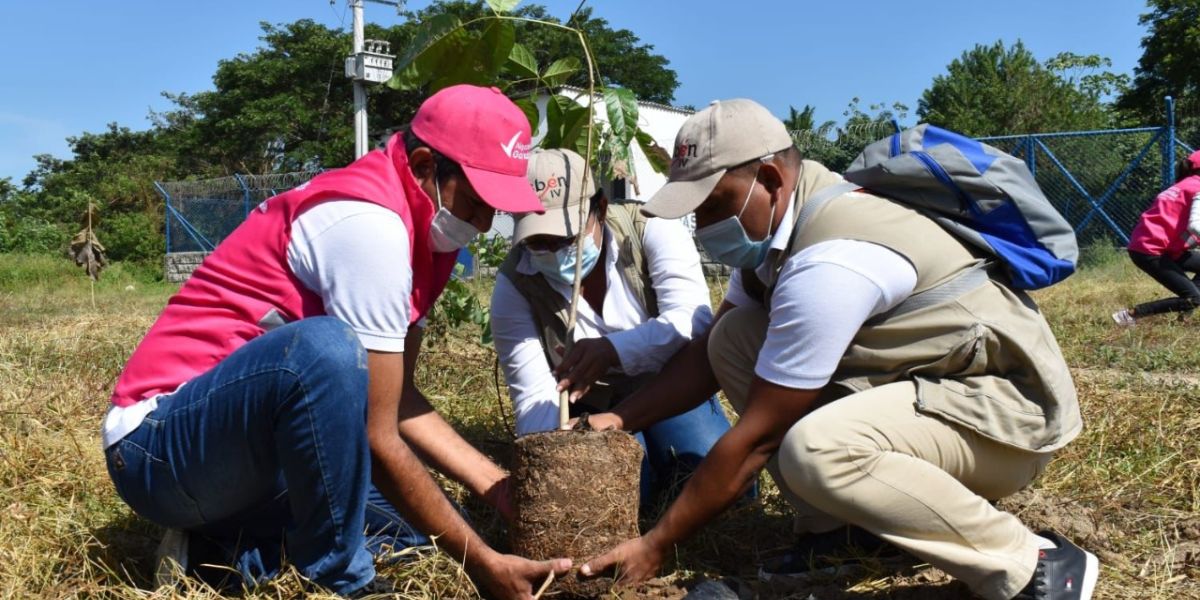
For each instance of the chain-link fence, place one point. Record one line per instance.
(201, 213)
(1101, 181)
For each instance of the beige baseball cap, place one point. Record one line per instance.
(726, 134)
(561, 180)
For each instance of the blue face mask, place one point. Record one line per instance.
(726, 240)
(560, 264)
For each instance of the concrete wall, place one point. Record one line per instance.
(178, 266)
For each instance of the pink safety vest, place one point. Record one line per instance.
(1162, 229)
(246, 285)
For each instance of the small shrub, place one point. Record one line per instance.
(133, 236)
(31, 235)
(489, 251)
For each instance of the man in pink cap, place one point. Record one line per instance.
(277, 385)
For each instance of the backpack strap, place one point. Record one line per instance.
(816, 201)
(947, 290)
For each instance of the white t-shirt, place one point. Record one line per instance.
(643, 344)
(352, 254)
(822, 297)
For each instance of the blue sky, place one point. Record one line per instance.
(75, 65)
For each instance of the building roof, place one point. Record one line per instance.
(666, 107)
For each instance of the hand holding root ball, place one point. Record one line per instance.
(598, 422)
(512, 577)
(633, 561)
(588, 361)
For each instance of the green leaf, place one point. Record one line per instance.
(558, 71)
(474, 58)
(660, 159)
(556, 107)
(496, 46)
(503, 6)
(528, 105)
(622, 109)
(427, 49)
(566, 120)
(523, 62)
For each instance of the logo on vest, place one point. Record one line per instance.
(553, 186)
(514, 149)
(683, 154)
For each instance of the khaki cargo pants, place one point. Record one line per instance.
(872, 460)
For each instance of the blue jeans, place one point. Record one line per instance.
(674, 448)
(266, 455)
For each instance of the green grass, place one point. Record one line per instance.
(1135, 472)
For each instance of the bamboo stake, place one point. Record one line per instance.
(564, 403)
(91, 280)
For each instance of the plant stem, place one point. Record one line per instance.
(563, 398)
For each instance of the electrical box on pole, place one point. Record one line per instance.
(373, 64)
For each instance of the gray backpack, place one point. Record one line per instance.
(983, 196)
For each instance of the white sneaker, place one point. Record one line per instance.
(171, 558)
(1124, 318)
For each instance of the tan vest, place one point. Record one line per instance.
(627, 225)
(985, 359)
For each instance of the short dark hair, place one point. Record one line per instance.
(1184, 169)
(594, 201)
(443, 166)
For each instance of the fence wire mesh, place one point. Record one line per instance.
(1100, 181)
(201, 213)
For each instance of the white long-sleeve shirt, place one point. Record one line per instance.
(643, 344)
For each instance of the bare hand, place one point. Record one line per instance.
(500, 497)
(634, 561)
(512, 577)
(588, 360)
(599, 422)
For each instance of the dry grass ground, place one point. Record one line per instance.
(1129, 489)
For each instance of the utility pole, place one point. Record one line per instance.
(371, 61)
(360, 87)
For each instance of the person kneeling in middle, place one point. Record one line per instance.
(643, 297)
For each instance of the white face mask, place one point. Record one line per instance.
(448, 233)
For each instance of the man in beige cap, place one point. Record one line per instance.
(643, 298)
(878, 423)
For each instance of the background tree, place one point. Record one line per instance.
(1169, 66)
(287, 105)
(284, 106)
(836, 146)
(995, 90)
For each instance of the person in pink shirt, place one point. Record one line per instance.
(1162, 245)
(270, 413)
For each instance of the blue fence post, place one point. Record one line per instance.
(1031, 156)
(245, 196)
(166, 213)
(1168, 158)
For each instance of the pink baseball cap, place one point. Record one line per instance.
(483, 131)
(1194, 160)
